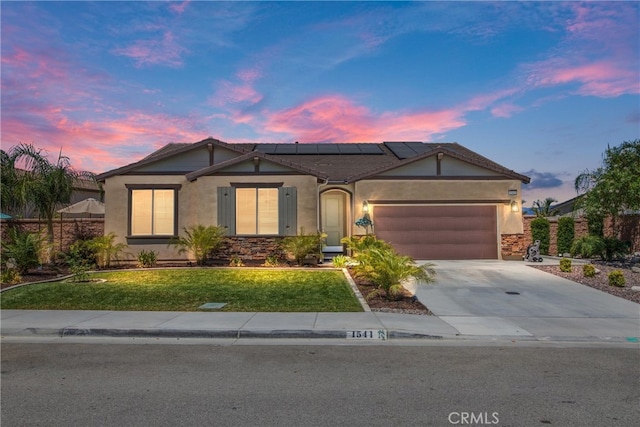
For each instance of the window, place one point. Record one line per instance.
(257, 211)
(152, 211)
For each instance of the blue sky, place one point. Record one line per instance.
(540, 87)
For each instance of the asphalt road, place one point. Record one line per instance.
(79, 384)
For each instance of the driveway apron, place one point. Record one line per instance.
(482, 297)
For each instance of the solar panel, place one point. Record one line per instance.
(418, 147)
(266, 148)
(307, 148)
(370, 149)
(349, 149)
(400, 149)
(286, 149)
(328, 149)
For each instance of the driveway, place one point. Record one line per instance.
(483, 297)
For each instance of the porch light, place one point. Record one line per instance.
(365, 207)
(514, 206)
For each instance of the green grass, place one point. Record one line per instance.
(186, 289)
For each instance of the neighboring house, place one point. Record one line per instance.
(430, 200)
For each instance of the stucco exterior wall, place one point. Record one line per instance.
(197, 203)
(494, 192)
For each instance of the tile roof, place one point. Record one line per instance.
(337, 163)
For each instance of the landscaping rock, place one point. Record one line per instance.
(635, 269)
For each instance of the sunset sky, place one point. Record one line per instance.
(540, 88)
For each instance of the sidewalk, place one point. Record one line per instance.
(46, 323)
(218, 325)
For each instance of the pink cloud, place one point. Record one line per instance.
(334, 118)
(155, 52)
(102, 144)
(179, 7)
(230, 93)
(505, 110)
(249, 74)
(604, 78)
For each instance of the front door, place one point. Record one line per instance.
(333, 217)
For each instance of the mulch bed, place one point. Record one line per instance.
(404, 303)
(600, 281)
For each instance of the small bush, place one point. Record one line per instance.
(616, 278)
(565, 265)
(588, 270)
(106, 249)
(79, 272)
(614, 248)
(200, 241)
(272, 260)
(540, 230)
(235, 261)
(588, 246)
(147, 259)
(340, 261)
(25, 248)
(303, 245)
(10, 276)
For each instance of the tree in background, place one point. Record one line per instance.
(44, 184)
(614, 187)
(544, 208)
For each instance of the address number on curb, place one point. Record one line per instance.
(368, 334)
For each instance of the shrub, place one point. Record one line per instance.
(272, 260)
(303, 245)
(565, 265)
(614, 248)
(616, 278)
(200, 241)
(587, 246)
(588, 270)
(83, 252)
(147, 259)
(386, 269)
(565, 234)
(359, 244)
(106, 249)
(10, 276)
(24, 248)
(340, 261)
(235, 261)
(540, 230)
(79, 272)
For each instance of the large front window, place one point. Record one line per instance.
(256, 211)
(153, 212)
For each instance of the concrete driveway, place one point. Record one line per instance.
(485, 297)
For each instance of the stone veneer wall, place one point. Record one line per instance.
(249, 249)
(65, 231)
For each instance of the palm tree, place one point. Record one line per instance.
(543, 208)
(45, 184)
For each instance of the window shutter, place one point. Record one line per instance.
(227, 209)
(288, 211)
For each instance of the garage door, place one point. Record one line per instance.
(439, 232)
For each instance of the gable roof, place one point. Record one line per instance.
(166, 152)
(252, 155)
(335, 163)
(409, 154)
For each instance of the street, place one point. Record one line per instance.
(123, 384)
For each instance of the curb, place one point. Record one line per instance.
(203, 333)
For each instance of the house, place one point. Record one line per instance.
(429, 200)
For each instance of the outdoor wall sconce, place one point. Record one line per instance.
(365, 207)
(514, 206)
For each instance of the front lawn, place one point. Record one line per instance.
(186, 289)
